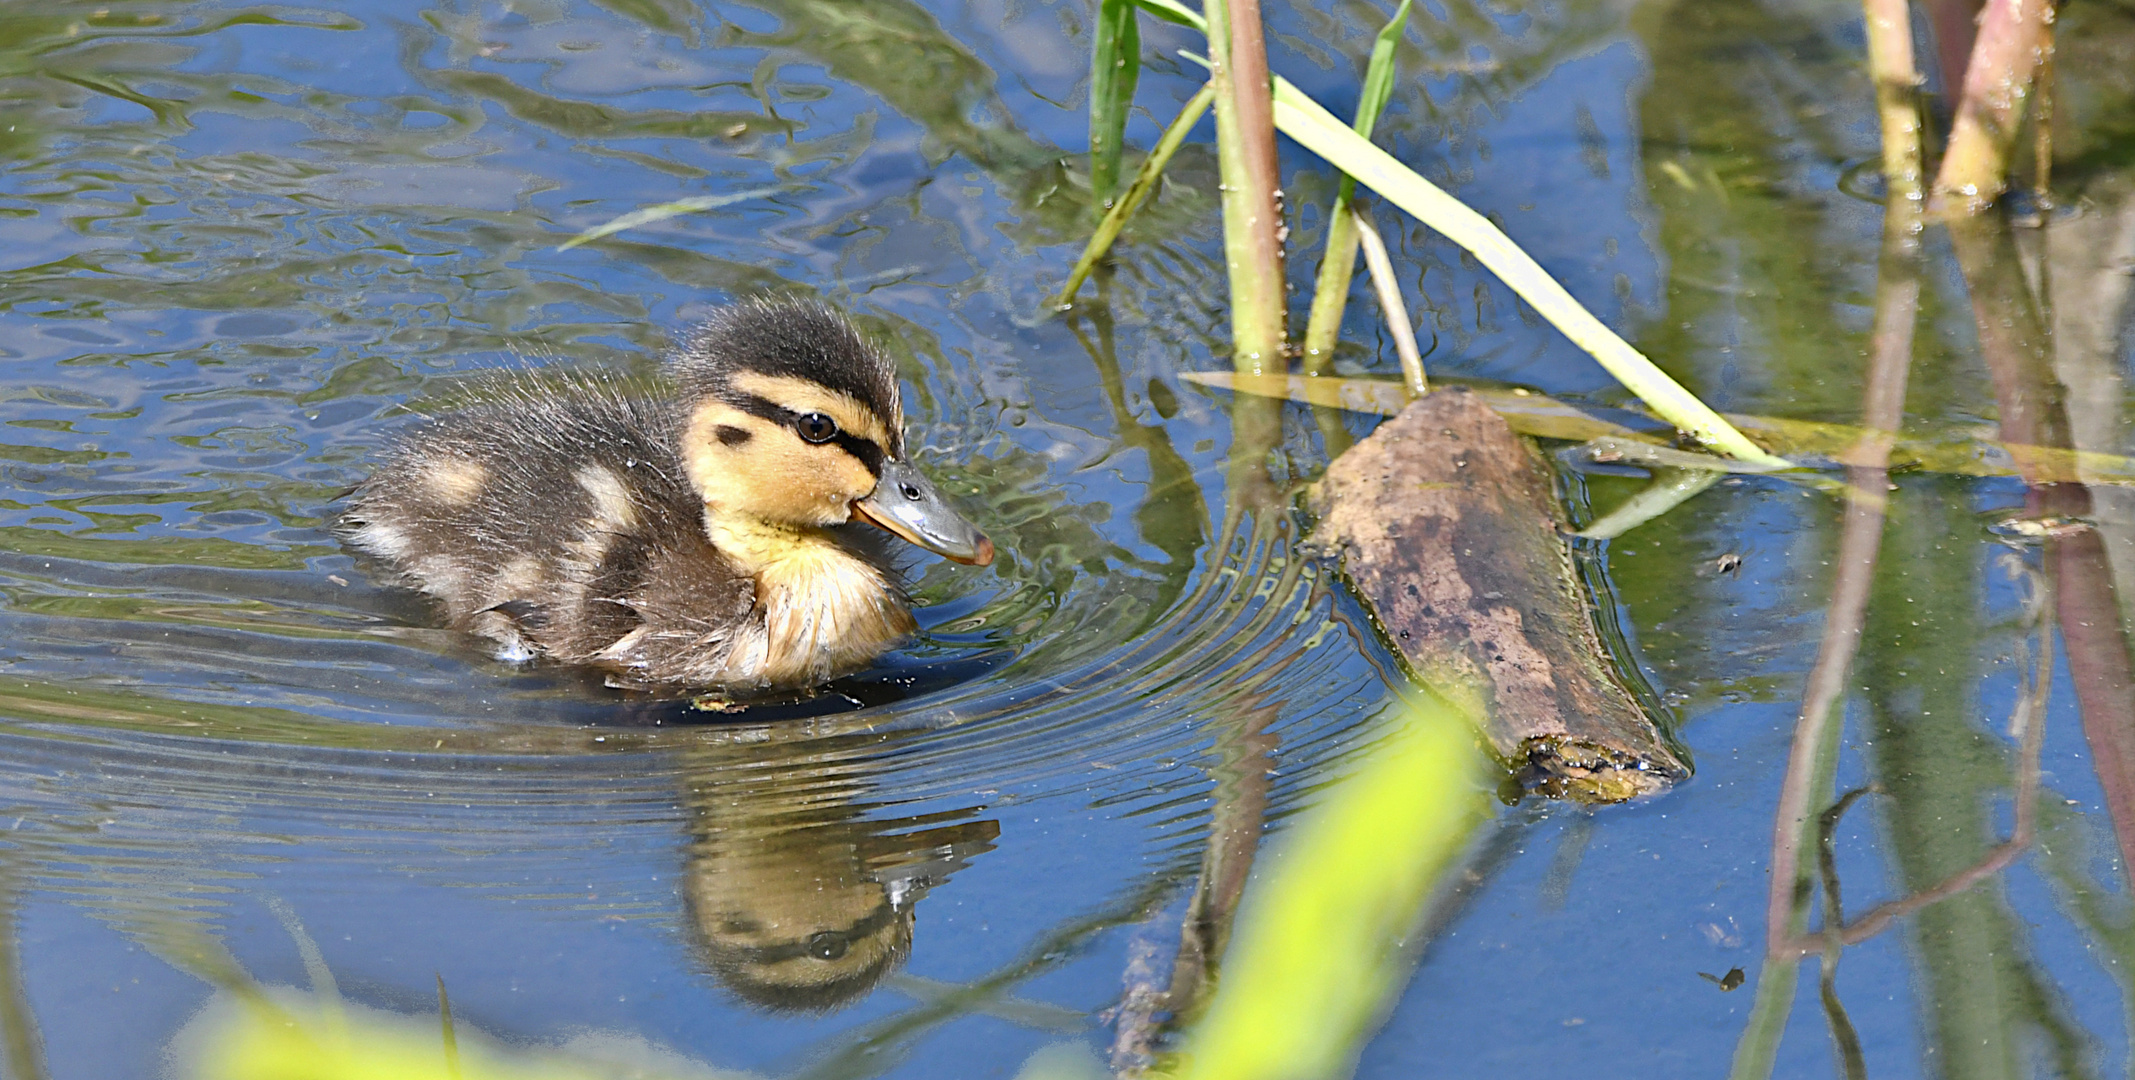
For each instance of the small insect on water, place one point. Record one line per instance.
(1734, 978)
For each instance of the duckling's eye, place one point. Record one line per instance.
(816, 428)
(826, 945)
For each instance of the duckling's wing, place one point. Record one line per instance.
(526, 614)
(696, 613)
(529, 514)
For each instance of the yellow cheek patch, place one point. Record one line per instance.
(803, 396)
(709, 459)
(798, 483)
(772, 475)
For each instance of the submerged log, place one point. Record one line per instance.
(1446, 523)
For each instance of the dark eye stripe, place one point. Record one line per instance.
(865, 927)
(864, 450)
(869, 454)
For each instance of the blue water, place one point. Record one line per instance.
(240, 247)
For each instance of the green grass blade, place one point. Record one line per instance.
(1145, 180)
(451, 1036)
(1330, 292)
(1173, 12)
(1301, 118)
(1379, 73)
(662, 212)
(1319, 954)
(1670, 488)
(1115, 66)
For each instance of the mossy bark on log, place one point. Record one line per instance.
(1446, 524)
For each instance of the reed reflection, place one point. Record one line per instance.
(800, 892)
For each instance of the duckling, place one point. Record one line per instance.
(679, 539)
(801, 881)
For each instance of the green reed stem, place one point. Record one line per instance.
(1145, 180)
(1330, 293)
(1115, 67)
(1245, 157)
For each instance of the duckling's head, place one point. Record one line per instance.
(794, 421)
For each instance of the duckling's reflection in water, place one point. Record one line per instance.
(801, 899)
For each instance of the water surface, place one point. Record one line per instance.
(243, 245)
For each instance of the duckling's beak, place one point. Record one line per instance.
(906, 503)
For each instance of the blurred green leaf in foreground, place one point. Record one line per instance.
(1323, 950)
(1325, 943)
(282, 1034)
(1327, 937)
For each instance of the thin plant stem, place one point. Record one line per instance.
(1848, 1040)
(2042, 126)
(1338, 263)
(1396, 312)
(1241, 774)
(1758, 1048)
(1145, 180)
(1812, 761)
(2018, 349)
(1813, 757)
(1951, 25)
(1330, 292)
(1252, 247)
(2100, 669)
(1245, 155)
(1859, 538)
(2027, 725)
(1891, 343)
(1843, 1035)
(1671, 487)
(1997, 85)
(1897, 82)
